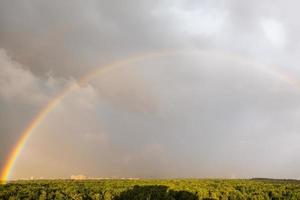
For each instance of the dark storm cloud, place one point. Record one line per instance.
(191, 111)
(69, 38)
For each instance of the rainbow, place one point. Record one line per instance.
(13, 156)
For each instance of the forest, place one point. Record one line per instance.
(169, 189)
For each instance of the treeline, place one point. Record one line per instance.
(173, 189)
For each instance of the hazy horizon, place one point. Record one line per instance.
(224, 102)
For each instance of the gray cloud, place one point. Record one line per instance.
(182, 115)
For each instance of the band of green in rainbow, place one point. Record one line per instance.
(13, 156)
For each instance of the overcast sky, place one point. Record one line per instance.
(225, 104)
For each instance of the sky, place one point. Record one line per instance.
(225, 102)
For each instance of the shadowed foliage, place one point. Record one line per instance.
(155, 192)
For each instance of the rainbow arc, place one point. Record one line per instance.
(28, 131)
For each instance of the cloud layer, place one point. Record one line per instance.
(179, 115)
